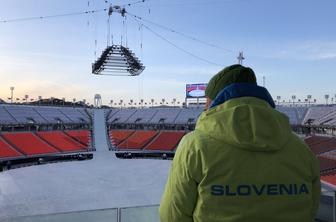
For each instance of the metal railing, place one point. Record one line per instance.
(127, 214)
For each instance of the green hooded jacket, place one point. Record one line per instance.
(242, 164)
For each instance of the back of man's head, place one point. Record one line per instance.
(227, 76)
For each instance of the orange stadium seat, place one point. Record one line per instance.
(138, 140)
(29, 143)
(82, 136)
(325, 146)
(329, 179)
(7, 151)
(62, 141)
(313, 140)
(326, 165)
(118, 136)
(167, 141)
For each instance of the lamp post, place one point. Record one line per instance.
(174, 101)
(278, 99)
(12, 93)
(309, 97)
(39, 100)
(326, 96)
(152, 102)
(141, 101)
(293, 98)
(63, 101)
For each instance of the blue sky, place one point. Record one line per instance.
(291, 43)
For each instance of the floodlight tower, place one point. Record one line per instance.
(293, 98)
(309, 97)
(326, 98)
(12, 91)
(278, 98)
(26, 98)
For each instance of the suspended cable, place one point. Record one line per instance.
(135, 3)
(181, 33)
(52, 16)
(178, 47)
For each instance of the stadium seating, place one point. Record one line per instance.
(329, 179)
(52, 115)
(29, 144)
(313, 140)
(138, 140)
(166, 115)
(62, 141)
(326, 165)
(166, 141)
(188, 116)
(76, 115)
(7, 150)
(5, 117)
(82, 136)
(316, 112)
(25, 114)
(324, 146)
(118, 136)
(142, 115)
(121, 116)
(20, 114)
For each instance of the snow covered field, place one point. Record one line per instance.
(103, 182)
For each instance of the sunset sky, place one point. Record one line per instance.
(291, 43)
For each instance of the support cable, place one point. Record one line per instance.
(181, 33)
(178, 47)
(52, 16)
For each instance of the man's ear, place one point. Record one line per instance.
(208, 103)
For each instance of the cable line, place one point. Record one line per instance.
(178, 47)
(134, 3)
(181, 33)
(52, 16)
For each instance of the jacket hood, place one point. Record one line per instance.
(248, 123)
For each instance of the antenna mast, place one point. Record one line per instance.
(241, 58)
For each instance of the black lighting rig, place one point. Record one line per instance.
(117, 60)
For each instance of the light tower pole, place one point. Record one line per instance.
(326, 98)
(309, 97)
(12, 93)
(278, 98)
(293, 98)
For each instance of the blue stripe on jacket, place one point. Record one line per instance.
(237, 90)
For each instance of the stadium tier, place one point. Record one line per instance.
(326, 165)
(82, 136)
(324, 146)
(7, 150)
(148, 140)
(166, 141)
(21, 144)
(61, 141)
(29, 143)
(137, 140)
(118, 136)
(20, 115)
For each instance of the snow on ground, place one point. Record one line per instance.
(103, 182)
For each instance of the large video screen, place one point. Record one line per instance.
(196, 90)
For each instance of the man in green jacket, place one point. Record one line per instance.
(242, 163)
